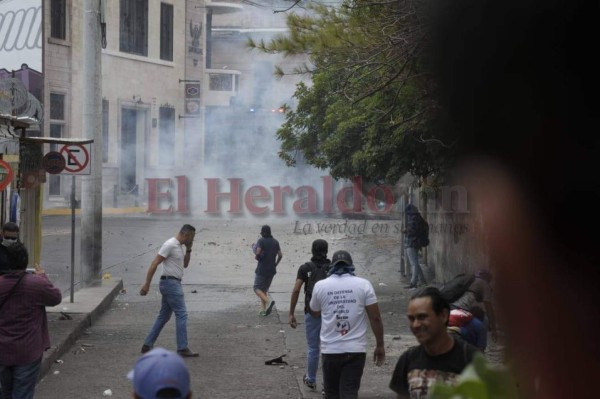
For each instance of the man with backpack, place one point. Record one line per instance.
(476, 293)
(416, 237)
(308, 275)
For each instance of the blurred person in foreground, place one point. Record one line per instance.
(160, 374)
(23, 323)
(520, 85)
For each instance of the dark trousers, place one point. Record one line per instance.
(342, 373)
(18, 382)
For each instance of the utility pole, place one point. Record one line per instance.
(91, 186)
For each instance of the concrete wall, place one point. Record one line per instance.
(455, 232)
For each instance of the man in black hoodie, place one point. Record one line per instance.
(414, 240)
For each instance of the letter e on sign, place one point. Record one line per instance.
(77, 159)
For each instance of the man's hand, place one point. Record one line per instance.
(292, 321)
(38, 269)
(379, 355)
(144, 290)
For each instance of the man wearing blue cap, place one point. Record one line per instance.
(160, 374)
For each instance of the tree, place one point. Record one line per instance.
(370, 109)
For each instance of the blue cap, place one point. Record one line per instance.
(160, 369)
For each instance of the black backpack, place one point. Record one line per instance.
(455, 288)
(317, 273)
(423, 232)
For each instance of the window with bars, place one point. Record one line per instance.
(166, 32)
(58, 19)
(133, 27)
(104, 130)
(166, 136)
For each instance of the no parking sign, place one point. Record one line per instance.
(77, 159)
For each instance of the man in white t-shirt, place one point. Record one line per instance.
(174, 255)
(344, 302)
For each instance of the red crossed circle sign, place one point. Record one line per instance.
(8, 174)
(76, 156)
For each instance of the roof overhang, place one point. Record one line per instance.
(53, 140)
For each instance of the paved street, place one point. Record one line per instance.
(233, 341)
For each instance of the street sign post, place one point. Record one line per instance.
(77, 162)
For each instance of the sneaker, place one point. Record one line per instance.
(262, 313)
(411, 286)
(311, 385)
(270, 307)
(146, 348)
(187, 353)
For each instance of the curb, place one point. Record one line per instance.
(80, 322)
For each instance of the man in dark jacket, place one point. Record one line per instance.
(413, 241)
(10, 236)
(23, 326)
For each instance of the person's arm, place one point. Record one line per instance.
(314, 302)
(377, 327)
(157, 261)
(294, 301)
(279, 256)
(188, 254)
(49, 294)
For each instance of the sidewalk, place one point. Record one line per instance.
(67, 321)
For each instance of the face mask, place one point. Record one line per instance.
(9, 242)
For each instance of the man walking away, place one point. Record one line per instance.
(174, 255)
(308, 275)
(439, 357)
(23, 324)
(268, 255)
(344, 302)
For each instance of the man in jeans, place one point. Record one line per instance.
(344, 302)
(413, 243)
(175, 256)
(23, 325)
(308, 274)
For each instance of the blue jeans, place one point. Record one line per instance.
(342, 374)
(172, 301)
(413, 258)
(312, 326)
(18, 382)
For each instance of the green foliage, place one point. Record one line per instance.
(369, 110)
(478, 381)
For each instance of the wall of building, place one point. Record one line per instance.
(455, 232)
